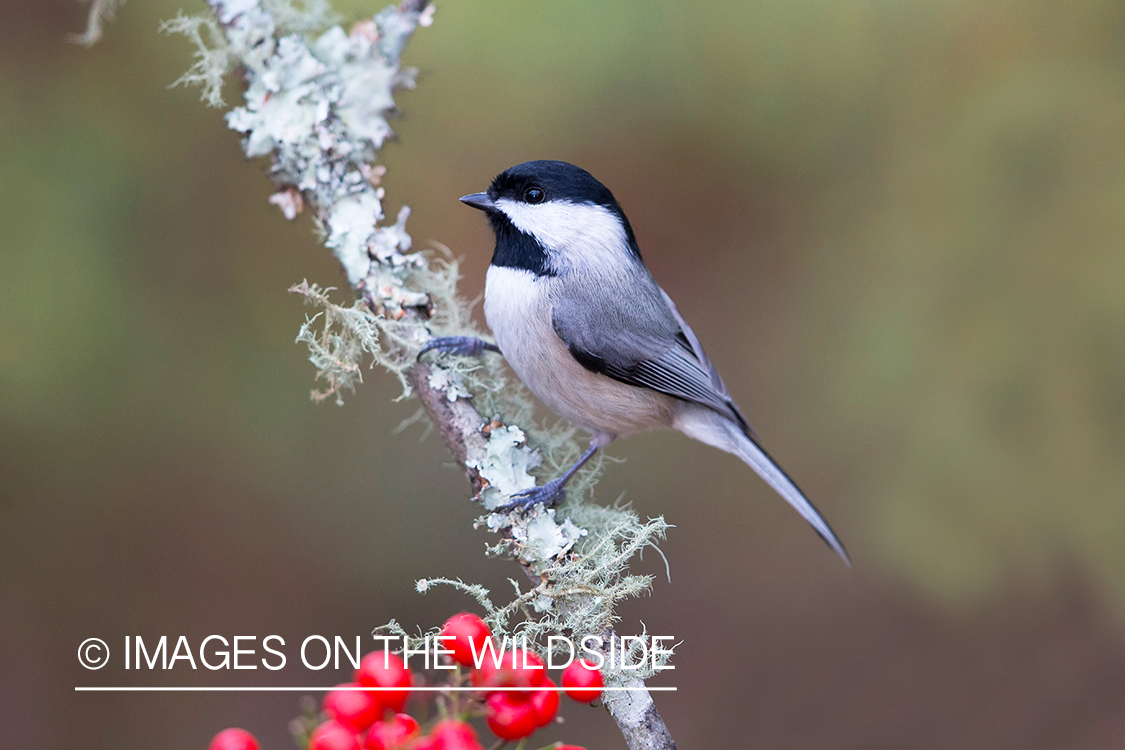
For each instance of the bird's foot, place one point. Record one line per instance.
(548, 495)
(465, 346)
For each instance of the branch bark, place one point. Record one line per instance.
(458, 422)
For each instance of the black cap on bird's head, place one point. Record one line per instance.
(540, 181)
(562, 190)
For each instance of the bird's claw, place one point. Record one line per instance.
(465, 346)
(548, 495)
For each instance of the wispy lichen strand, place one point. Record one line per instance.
(101, 12)
(317, 102)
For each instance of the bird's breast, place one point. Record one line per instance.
(517, 306)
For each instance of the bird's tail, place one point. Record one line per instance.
(714, 429)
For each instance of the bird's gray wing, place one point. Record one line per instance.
(717, 383)
(635, 335)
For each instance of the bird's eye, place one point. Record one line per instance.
(533, 195)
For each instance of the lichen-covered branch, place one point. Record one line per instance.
(316, 103)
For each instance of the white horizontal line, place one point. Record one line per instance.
(285, 688)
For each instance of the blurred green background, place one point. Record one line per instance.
(897, 226)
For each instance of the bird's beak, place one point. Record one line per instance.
(479, 200)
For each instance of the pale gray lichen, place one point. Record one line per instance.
(213, 56)
(448, 382)
(506, 466)
(317, 103)
(319, 106)
(541, 533)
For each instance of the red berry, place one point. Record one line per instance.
(467, 630)
(518, 668)
(453, 735)
(355, 709)
(391, 733)
(511, 716)
(234, 739)
(545, 703)
(332, 735)
(569, 747)
(383, 669)
(533, 663)
(583, 682)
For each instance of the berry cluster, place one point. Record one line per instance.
(514, 695)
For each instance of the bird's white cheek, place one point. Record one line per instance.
(576, 235)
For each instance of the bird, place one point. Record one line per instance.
(580, 319)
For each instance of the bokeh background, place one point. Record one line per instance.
(897, 226)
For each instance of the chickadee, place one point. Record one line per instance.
(582, 322)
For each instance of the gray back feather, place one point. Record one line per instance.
(626, 327)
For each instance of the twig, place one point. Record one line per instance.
(101, 12)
